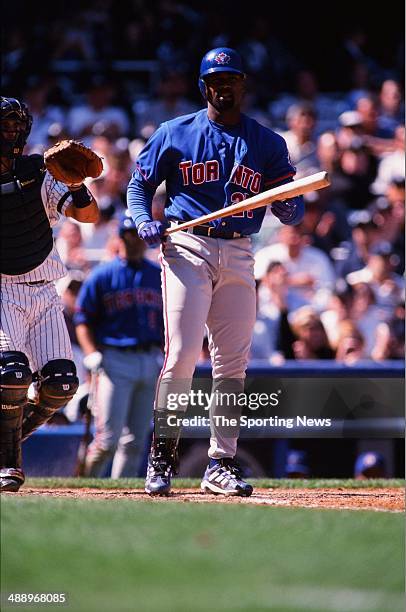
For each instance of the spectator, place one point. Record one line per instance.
(367, 107)
(390, 219)
(356, 172)
(311, 275)
(138, 39)
(328, 152)
(297, 464)
(170, 102)
(72, 40)
(388, 287)
(325, 225)
(352, 52)
(391, 112)
(349, 129)
(395, 193)
(44, 115)
(98, 115)
(390, 339)
(366, 314)
(350, 344)
(338, 310)
(116, 176)
(370, 465)
(265, 54)
(56, 132)
(250, 104)
(272, 338)
(353, 254)
(392, 166)
(95, 240)
(311, 338)
(301, 121)
(70, 247)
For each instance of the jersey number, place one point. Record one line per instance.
(236, 197)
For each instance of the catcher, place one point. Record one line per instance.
(34, 342)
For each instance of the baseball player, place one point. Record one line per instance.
(209, 159)
(34, 342)
(120, 329)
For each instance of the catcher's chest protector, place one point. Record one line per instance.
(25, 233)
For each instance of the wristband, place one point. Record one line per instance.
(81, 197)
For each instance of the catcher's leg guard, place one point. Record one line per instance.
(15, 378)
(58, 383)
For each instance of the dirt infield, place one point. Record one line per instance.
(382, 499)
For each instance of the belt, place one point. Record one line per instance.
(211, 232)
(144, 347)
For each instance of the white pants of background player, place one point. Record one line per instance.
(207, 281)
(122, 411)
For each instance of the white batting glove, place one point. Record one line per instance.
(93, 361)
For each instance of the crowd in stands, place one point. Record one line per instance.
(330, 288)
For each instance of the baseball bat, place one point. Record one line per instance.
(87, 436)
(283, 192)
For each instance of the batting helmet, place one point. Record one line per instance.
(221, 59)
(125, 223)
(14, 109)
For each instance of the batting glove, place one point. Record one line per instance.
(152, 232)
(93, 361)
(289, 212)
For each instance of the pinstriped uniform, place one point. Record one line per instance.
(32, 318)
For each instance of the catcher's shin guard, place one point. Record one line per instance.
(11, 474)
(15, 378)
(163, 459)
(58, 383)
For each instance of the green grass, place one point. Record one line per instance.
(138, 483)
(163, 557)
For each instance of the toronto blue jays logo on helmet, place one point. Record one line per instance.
(222, 58)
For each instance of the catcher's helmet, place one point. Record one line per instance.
(125, 223)
(14, 109)
(220, 59)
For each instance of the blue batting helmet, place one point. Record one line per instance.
(125, 223)
(221, 59)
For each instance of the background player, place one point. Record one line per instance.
(209, 159)
(33, 334)
(120, 329)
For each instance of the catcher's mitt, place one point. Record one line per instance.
(71, 162)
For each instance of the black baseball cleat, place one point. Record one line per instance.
(162, 462)
(11, 479)
(225, 478)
